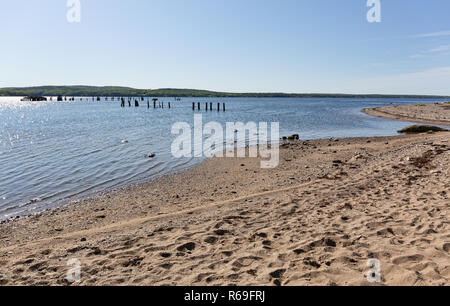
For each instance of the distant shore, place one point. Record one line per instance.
(437, 113)
(317, 219)
(118, 91)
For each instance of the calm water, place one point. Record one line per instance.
(51, 152)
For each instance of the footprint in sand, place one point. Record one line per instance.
(211, 240)
(186, 247)
(245, 261)
(408, 259)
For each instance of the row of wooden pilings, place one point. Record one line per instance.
(156, 103)
(136, 103)
(195, 105)
(210, 108)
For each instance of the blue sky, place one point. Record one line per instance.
(229, 45)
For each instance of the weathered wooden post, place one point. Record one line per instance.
(154, 102)
(206, 106)
(199, 106)
(193, 106)
(224, 109)
(169, 105)
(218, 107)
(148, 103)
(210, 107)
(136, 103)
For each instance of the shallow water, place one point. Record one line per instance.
(55, 151)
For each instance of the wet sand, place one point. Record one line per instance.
(438, 113)
(317, 219)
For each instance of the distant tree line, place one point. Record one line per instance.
(115, 91)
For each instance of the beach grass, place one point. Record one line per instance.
(416, 129)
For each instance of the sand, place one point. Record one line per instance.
(317, 219)
(437, 113)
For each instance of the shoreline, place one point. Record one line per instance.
(235, 223)
(93, 196)
(417, 113)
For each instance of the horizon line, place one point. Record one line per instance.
(218, 92)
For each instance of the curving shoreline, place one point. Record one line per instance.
(437, 113)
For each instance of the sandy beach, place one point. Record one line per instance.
(438, 113)
(111, 112)
(317, 219)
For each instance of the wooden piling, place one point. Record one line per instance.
(199, 106)
(193, 106)
(210, 106)
(218, 107)
(224, 109)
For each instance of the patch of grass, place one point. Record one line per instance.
(416, 129)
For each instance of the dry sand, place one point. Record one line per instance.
(437, 113)
(317, 219)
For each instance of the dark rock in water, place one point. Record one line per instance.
(294, 137)
(151, 155)
(34, 99)
(59, 99)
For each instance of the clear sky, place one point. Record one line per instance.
(229, 45)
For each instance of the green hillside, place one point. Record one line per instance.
(109, 91)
